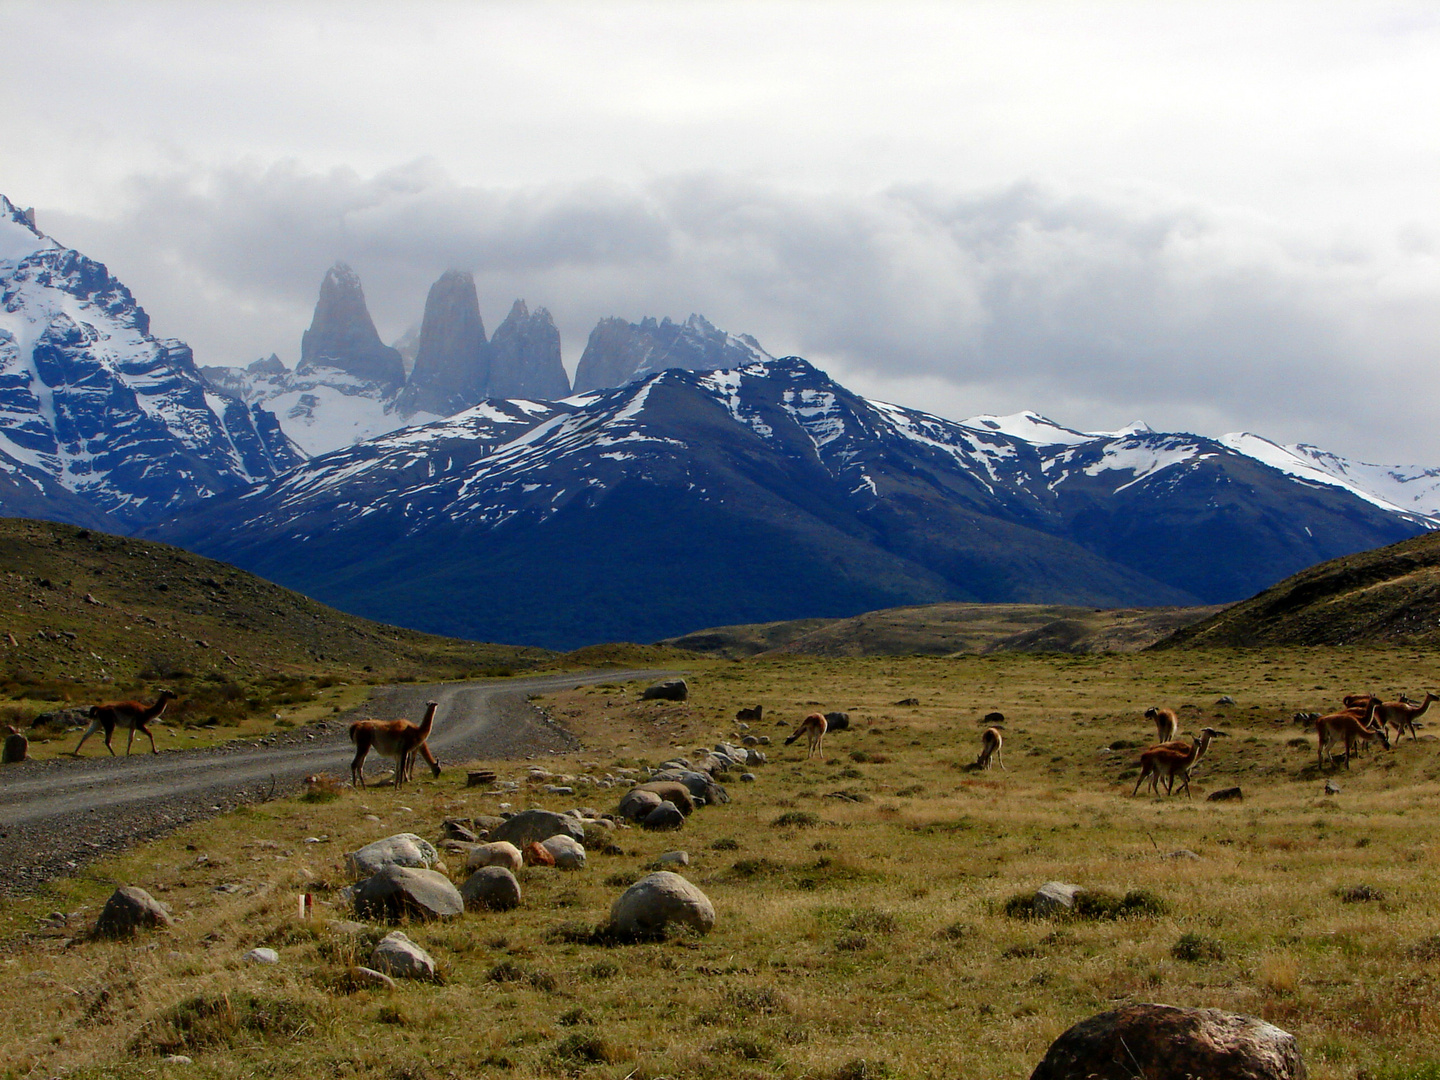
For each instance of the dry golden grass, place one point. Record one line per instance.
(858, 936)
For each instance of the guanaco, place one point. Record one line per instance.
(1167, 724)
(1402, 714)
(813, 728)
(1350, 729)
(990, 743)
(126, 714)
(398, 739)
(1170, 760)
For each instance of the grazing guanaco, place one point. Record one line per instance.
(126, 714)
(398, 739)
(1349, 728)
(990, 743)
(812, 727)
(1167, 724)
(1170, 760)
(1402, 714)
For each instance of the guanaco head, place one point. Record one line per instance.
(1152, 712)
(168, 695)
(1384, 734)
(1210, 731)
(1306, 717)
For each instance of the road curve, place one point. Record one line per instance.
(57, 815)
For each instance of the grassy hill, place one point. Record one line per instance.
(950, 629)
(1387, 596)
(89, 616)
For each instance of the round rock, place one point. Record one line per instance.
(568, 853)
(399, 957)
(262, 956)
(535, 827)
(1056, 897)
(130, 909)
(646, 908)
(402, 849)
(636, 804)
(493, 888)
(501, 853)
(399, 891)
(664, 817)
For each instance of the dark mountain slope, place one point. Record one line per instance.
(1387, 596)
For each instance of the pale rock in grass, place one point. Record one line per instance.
(262, 956)
(500, 853)
(399, 957)
(399, 891)
(370, 976)
(672, 858)
(402, 849)
(1162, 1042)
(569, 853)
(747, 777)
(646, 908)
(130, 909)
(493, 888)
(177, 1059)
(1056, 897)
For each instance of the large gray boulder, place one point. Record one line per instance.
(493, 888)
(646, 908)
(402, 849)
(635, 804)
(569, 853)
(1161, 1042)
(130, 909)
(399, 957)
(673, 791)
(399, 891)
(535, 827)
(667, 690)
(664, 818)
(700, 785)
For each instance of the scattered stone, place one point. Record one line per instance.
(637, 803)
(402, 849)
(751, 740)
(1183, 853)
(262, 956)
(1229, 794)
(17, 748)
(700, 785)
(756, 713)
(346, 926)
(400, 958)
(1226, 700)
(1164, 1042)
(130, 909)
(534, 826)
(500, 853)
(658, 899)
(1332, 788)
(494, 888)
(673, 858)
(373, 977)
(480, 778)
(993, 718)
(764, 740)
(665, 817)
(1055, 897)
(568, 853)
(484, 824)
(747, 777)
(398, 891)
(537, 854)
(456, 829)
(667, 690)
(910, 701)
(672, 791)
(177, 1059)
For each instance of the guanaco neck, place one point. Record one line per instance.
(429, 721)
(156, 709)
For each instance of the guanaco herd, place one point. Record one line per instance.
(400, 740)
(1364, 719)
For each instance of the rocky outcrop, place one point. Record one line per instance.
(491, 887)
(130, 909)
(452, 361)
(1167, 1043)
(525, 357)
(619, 351)
(342, 335)
(667, 690)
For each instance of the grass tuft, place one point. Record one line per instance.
(208, 1021)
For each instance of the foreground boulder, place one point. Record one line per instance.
(664, 817)
(399, 891)
(668, 690)
(535, 827)
(646, 908)
(402, 849)
(1161, 1042)
(637, 803)
(568, 853)
(497, 854)
(130, 909)
(493, 888)
(399, 957)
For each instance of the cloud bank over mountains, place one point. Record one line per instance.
(1095, 309)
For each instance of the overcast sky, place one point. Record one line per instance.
(1210, 217)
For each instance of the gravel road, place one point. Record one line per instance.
(57, 815)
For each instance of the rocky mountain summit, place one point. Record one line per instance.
(452, 360)
(342, 335)
(98, 417)
(619, 352)
(525, 357)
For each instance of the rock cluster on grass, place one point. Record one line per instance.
(128, 910)
(1163, 1042)
(657, 900)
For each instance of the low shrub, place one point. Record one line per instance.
(207, 1021)
(1196, 949)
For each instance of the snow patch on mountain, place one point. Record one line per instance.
(1403, 489)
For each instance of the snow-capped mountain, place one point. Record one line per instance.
(763, 492)
(92, 404)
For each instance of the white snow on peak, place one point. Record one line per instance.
(1397, 488)
(1145, 457)
(1028, 427)
(17, 240)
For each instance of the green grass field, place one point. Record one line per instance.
(862, 900)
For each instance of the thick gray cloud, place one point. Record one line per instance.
(1095, 311)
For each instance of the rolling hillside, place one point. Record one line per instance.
(1388, 596)
(89, 613)
(949, 629)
